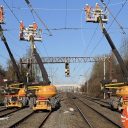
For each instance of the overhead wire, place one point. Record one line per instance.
(15, 45)
(92, 39)
(109, 27)
(64, 28)
(89, 43)
(12, 5)
(11, 11)
(66, 4)
(115, 17)
(48, 9)
(33, 11)
(46, 27)
(15, 15)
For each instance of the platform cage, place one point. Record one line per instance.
(93, 13)
(2, 14)
(26, 33)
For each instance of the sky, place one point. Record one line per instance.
(87, 42)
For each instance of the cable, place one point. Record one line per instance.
(108, 2)
(66, 15)
(47, 9)
(92, 39)
(12, 11)
(14, 46)
(114, 17)
(33, 16)
(12, 5)
(110, 26)
(32, 10)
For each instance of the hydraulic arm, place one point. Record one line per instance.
(42, 68)
(115, 51)
(19, 77)
(39, 61)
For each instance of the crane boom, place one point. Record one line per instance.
(42, 68)
(114, 49)
(19, 78)
(39, 61)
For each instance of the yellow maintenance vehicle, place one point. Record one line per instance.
(119, 99)
(15, 93)
(45, 98)
(42, 95)
(15, 96)
(98, 15)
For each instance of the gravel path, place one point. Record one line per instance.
(65, 117)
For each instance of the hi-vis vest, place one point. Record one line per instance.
(124, 117)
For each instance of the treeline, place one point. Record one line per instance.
(9, 73)
(112, 72)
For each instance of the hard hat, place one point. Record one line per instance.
(86, 4)
(96, 3)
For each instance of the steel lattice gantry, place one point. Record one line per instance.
(70, 59)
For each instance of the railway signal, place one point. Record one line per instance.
(67, 69)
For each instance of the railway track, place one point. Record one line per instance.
(6, 112)
(97, 101)
(3, 109)
(94, 118)
(33, 120)
(89, 125)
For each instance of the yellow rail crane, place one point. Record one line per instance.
(97, 15)
(119, 99)
(42, 95)
(45, 97)
(15, 95)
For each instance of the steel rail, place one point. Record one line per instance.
(92, 99)
(1, 110)
(8, 113)
(20, 121)
(45, 119)
(28, 116)
(117, 125)
(83, 116)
